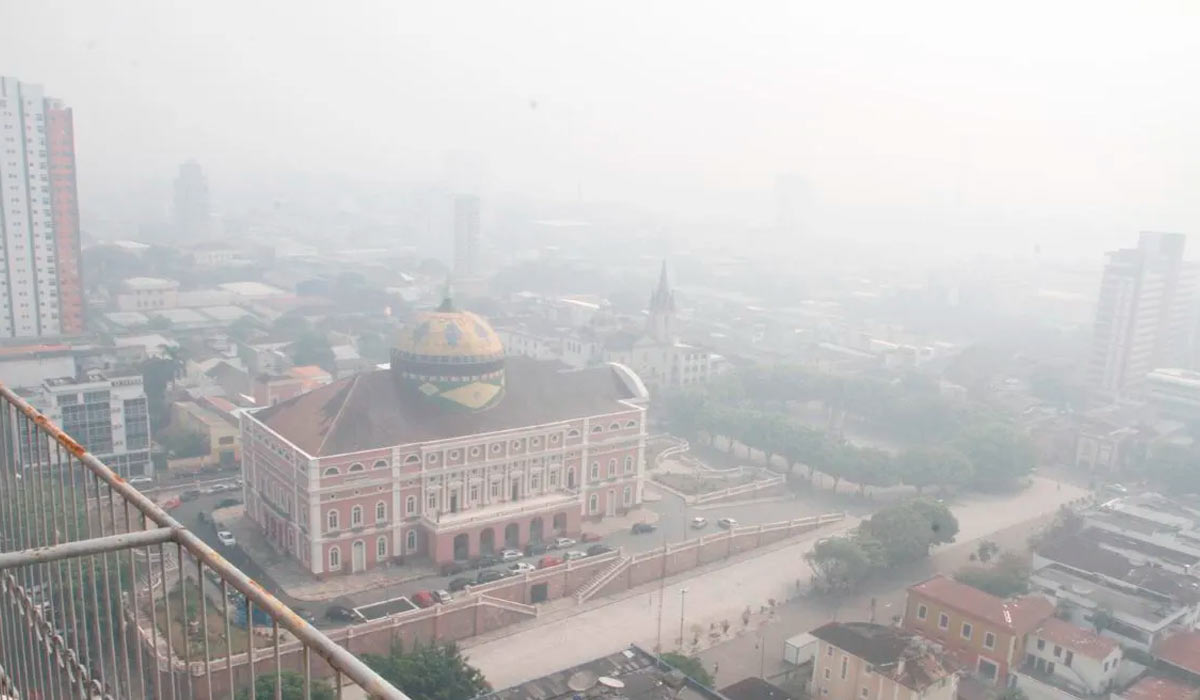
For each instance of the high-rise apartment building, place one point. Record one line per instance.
(466, 236)
(191, 204)
(1143, 314)
(41, 293)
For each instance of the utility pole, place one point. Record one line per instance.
(682, 601)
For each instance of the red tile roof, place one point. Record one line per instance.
(1019, 615)
(1181, 649)
(1158, 688)
(1075, 638)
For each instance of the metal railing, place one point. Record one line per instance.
(104, 595)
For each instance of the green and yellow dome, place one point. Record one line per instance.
(452, 355)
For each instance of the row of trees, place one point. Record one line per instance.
(985, 455)
(894, 536)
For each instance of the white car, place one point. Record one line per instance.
(509, 555)
(226, 538)
(442, 596)
(699, 523)
(563, 542)
(520, 568)
(727, 523)
(140, 480)
(574, 554)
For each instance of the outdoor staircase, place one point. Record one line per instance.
(503, 604)
(608, 573)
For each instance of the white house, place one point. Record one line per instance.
(1063, 660)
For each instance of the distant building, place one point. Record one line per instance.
(1144, 316)
(147, 294)
(42, 294)
(1063, 658)
(191, 208)
(269, 390)
(468, 277)
(223, 437)
(857, 660)
(1174, 392)
(1151, 687)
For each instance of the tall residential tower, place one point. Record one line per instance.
(41, 291)
(1143, 315)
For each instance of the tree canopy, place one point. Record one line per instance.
(691, 666)
(907, 531)
(436, 672)
(1000, 454)
(838, 564)
(291, 688)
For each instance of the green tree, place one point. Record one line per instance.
(906, 531)
(838, 564)
(986, 550)
(312, 348)
(1102, 619)
(291, 688)
(185, 444)
(437, 672)
(243, 328)
(943, 526)
(1000, 455)
(922, 467)
(1012, 694)
(691, 667)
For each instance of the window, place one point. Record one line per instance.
(628, 496)
(827, 674)
(412, 540)
(845, 663)
(381, 464)
(1057, 651)
(433, 500)
(597, 429)
(380, 548)
(989, 640)
(828, 652)
(1069, 658)
(863, 692)
(595, 470)
(922, 611)
(454, 454)
(631, 424)
(987, 669)
(1105, 665)
(380, 512)
(943, 621)
(475, 451)
(1041, 644)
(615, 426)
(412, 459)
(410, 505)
(356, 467)
(474, 494)
(331, 520)
(356, 516)
(594, 504)
(332, 471)
(572, 433)
(1050, 667)
(824, 691)
(628, 464)
(966, 630)
(612, 467)
(335, 558)
(432, 459)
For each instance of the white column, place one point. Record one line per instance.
(315, 523)
(397, 512)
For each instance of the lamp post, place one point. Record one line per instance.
(682, 601)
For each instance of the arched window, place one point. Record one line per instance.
(628, 464)
(356, 516)
(332, 471)
(410, 505)
(631, 424)
(595, 470)
(593, 504)
(612, 466)
(356, 467)
(412, 540)
(331, 520)
(628, 496)
(598, 429)
(381, 464)
(335, 558)
(411, 459)
(572, 433)
(381, 548)
(380, 512)
(615, 426)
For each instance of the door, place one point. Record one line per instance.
(454, 502)
(359, 560)
(610, 503)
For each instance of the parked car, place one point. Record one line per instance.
(489, 575)
(535, 548)
(598, 549)
(699, 523)
(452, 568)
(189, 495)
(509, 555)
(226, 538)
(442, 595)
(520, 567)
(306, 615)
(226, 502)
(484, 562)
(458, 584)
(574, 554)
(727, 523)
(548, 561)
(642, 528)
(563, 542)
(590, 537)
(1117, 488)
(423, 599)
(339, 613)
(141, 480)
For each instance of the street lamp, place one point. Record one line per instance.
(682, 600)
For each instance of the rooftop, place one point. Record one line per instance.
(1144, 606)
(1181, 649)
(906, 658)
(1082, 552)
(1075, 638)
(149, 283)
(252, 289)
(754, 689)
(1159, 688)
(1019, 615)
(372, 409)
(635, 675)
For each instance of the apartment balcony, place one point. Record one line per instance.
(104, 595)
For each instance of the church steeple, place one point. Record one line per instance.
(662, 309)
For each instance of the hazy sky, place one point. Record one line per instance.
(1081, 118)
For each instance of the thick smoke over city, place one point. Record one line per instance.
(566, 350)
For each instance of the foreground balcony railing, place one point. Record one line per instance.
(105, 595)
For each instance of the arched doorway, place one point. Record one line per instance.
(461, 546)
(511, 535)
(560, 523)
(487, 541)
(535, 530)
(359, 560)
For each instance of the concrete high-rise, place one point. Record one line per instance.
(191, 205)
(41, 293)
(1143, 314)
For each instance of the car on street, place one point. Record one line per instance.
(520, 568)
(489, 575)
(306, 615)
(590, 537)
(141, 480)
(699, 523)
(642, 528)
(484, 562)
(189, 495)
(452, 568)
(509, 555)
(535, 548)
(563, 542)
(598, 549)
(574, 554)
(548, 561)
(423, 599)
(727, 523)
(442, 595)
(339, 613)
(458, 584)
(226, 538)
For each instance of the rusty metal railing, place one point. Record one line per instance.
(104, 595)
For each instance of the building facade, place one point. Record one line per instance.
(147, 294)
(866, 661)
(1063, 658)
(41, 291)
(454, 452)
